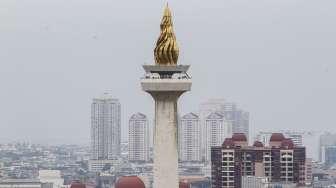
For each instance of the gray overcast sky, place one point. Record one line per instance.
(276, 58)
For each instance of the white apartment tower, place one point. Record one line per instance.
(189, 136)
(216, 130)
(138, 138)
(238, 118)
(205, 109)
(105, 128)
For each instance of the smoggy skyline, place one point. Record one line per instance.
(274, 58)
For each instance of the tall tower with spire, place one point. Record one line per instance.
(166, 82)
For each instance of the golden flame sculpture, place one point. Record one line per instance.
(166, 51)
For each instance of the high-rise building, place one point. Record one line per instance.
(105, 129)
(210, 106)
(216, 130)
(281, 162)
(326, 139)
(138, 138)
(238, 118)
(205, 109)
(309, 171)
(329, 155)
(189, 136)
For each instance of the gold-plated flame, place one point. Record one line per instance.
(166, 51)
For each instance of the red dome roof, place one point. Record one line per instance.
(277, 137)
(77, 184)
(287, 143)
(129, 182)
(228, 142)
(239, 137)
(258, 144)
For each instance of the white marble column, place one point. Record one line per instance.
(165, 140)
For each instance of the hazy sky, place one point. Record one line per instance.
(276, 58)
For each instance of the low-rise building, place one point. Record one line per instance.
(51, 176)
(254, 182)
(20, 183)
(100, 165)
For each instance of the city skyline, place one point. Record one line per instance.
(256, 80)
(60, 62)
(125, 128)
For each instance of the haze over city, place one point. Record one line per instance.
(274, 58)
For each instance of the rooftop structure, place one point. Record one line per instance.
(299, 138)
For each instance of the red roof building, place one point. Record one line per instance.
(277, 137)
(129, 182)
(184, 185)
(266, 161)
(239, 137)
(228, 143)
(77, 184)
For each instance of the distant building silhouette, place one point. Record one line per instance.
(326, 139)
(330, 155)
